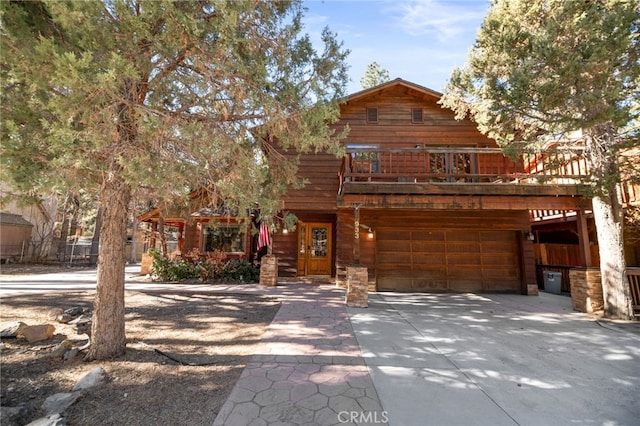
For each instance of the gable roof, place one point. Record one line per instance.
(13, 219)
(397, 82)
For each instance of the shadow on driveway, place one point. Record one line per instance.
(461, 359)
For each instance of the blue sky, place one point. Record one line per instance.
(420, 40)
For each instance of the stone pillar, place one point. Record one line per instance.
(357, 295)
(269, 271)
(586, 289)
(145, 265)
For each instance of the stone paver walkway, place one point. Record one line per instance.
(308, 369)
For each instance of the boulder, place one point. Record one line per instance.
(38, 333)
(59, 402)
(53, 313)
(70, 354)
(61, 350)
(97, 376)
(14, 330)
(50, 420)
(75, 311)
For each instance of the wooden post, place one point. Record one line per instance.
(356, 235)
(583, 238)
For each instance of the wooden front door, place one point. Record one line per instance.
(314, 248)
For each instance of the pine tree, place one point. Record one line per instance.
(374, 75)
(543, 70)
(117, 95)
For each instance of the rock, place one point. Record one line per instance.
(70, 354)
(96, 377)
(64, 318)
(51, 420)
(53, 313)
(60, 350)
(14, 330)
(84, 318)
(59, 402)
(75, 311)
(37, 333)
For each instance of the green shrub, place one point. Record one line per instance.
(212, 266)
(241, 270)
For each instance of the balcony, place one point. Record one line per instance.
(460, 171)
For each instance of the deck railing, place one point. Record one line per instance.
(633, 276)
(451, 165)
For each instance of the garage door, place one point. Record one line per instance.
(461, 261)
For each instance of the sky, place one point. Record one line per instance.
(420, 40)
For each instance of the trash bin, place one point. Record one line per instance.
(552, 282)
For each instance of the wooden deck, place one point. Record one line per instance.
(487, 166)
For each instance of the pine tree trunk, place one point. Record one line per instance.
(616, 292)
(107, 330)
(609, 219)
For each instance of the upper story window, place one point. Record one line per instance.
(416, 116)
(226, 237)
(372, 115)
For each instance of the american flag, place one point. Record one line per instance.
(264, 237)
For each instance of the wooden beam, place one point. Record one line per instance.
(583, 238)
(455, 202)
(459, 189)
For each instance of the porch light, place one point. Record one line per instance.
(370, 234)
(529, 236)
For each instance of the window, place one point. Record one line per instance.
(372, 115)
(416, 115)
(227, 238)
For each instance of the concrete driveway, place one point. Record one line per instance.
(463, 359)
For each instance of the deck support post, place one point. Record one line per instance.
(356, 234)
(583, 239)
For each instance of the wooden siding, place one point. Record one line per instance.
(395, 128)
(320, 172)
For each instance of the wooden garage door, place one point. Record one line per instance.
(447, 260)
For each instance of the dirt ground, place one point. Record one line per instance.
(211, 335)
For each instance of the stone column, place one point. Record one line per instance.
(586, 289)
(357, 295)
(269, 271)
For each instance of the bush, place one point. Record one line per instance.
(242, 271)
(211, 266)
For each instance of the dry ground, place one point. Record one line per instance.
(218, 332)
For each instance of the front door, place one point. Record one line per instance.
(314, 248)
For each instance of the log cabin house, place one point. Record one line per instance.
(426, 202)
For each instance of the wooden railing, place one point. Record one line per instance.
(451, 165)
(633, 276)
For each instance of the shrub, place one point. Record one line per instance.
(211, 266)
(241, 270)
